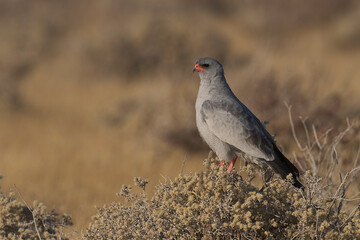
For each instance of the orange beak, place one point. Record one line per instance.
(198, 68)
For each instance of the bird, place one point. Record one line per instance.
(230, 128)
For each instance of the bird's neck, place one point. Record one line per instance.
(213, 86)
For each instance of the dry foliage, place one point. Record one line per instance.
(215, 205)
(20, 221)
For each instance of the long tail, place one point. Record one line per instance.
(282, 166)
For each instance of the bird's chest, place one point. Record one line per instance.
(203, 128)
(201, 125)
(206, 134)
(200, 122)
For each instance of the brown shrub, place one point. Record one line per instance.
(17, 220)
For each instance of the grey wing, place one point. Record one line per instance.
(234, 124)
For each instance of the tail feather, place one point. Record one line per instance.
(282, 166)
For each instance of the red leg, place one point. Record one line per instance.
(232, 164)
(222, 162)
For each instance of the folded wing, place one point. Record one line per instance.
(235, 125)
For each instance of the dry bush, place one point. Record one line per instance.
(281, 16)
(20, 221)
(215, 205)
(29, 35)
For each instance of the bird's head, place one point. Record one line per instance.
(208, 67)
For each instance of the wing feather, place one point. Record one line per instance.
(234, 124)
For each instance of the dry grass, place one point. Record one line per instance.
(92, 96)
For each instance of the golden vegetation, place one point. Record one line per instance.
(213, 204)
(20, 221)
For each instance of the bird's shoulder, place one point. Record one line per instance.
(233, 109)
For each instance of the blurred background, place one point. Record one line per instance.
(95, 93)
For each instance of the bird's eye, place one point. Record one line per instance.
(205, 65)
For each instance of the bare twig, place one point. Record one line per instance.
(333, 145)
(355, 195)
(298, 162)
(351, 215)
(316, 137)
(183, 165)
(355, 169)
(342, 186)
(292, 126)
(317, 225)
(337, 192)
(303, 121)
(311, 157)
(354, 173)
(61, 229)
(323, 136)
(345, 199)
(36, 228)
(357, 157)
